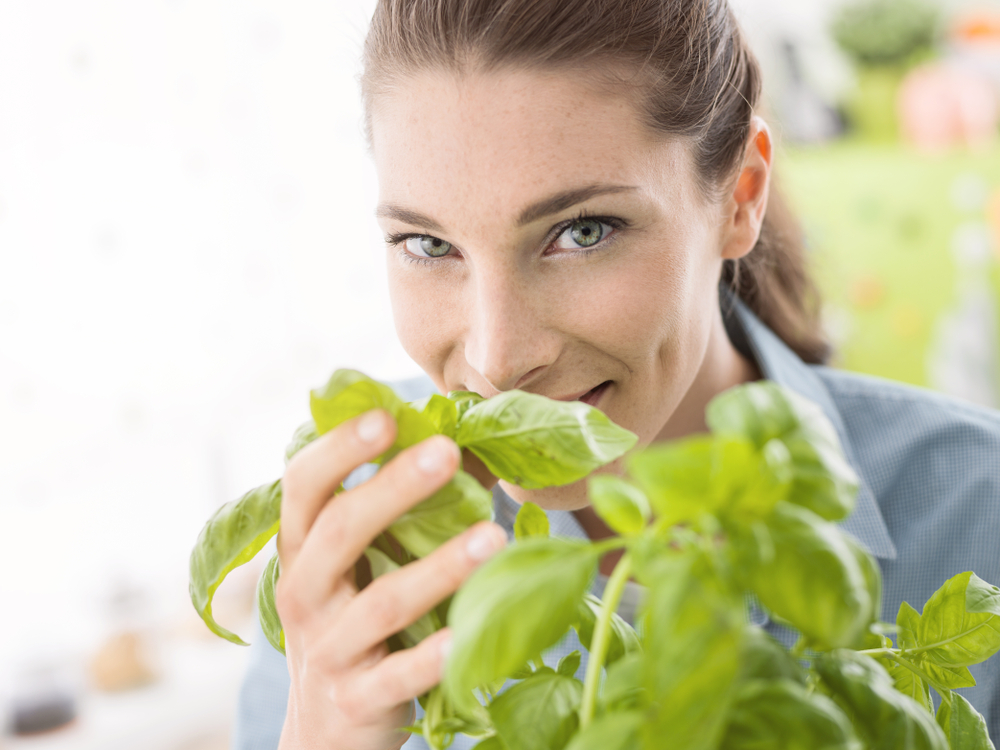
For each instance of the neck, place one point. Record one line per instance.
(722, 368)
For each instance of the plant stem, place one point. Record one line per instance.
(602, 635)
(919, 672)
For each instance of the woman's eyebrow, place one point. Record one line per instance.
(538, 210)
(561, 201)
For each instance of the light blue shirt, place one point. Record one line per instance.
(928, 508)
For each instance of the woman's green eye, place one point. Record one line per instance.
(583, 233)
(428, 247)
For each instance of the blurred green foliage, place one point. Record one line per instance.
(886, 32)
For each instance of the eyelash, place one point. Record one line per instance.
(395, 240)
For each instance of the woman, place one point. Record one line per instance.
(563, 186)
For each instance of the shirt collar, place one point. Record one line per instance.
(780, 364)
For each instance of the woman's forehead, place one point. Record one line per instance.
(511, 137)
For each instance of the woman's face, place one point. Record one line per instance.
(541, 237)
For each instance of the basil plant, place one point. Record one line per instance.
(705, 525)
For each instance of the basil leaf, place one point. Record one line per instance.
(349, 394)
(763, 658)
(821, 478)
(491, 743)
(445, 514)
(884, 718)
(512, 608)
(964, 726)
(961, 622)
(305, 433)
(440, 412)
(906, 680)
(623, 684)
(539, 713)
(704, 474)
(534, 442)
(530, 521)
(232, 536)
(569, 664)
(425, 626)
(621, 505)
(464, 400)
(615, 731)
(692, 664)
(267, 612)
(811, 578)
(872, 574)
(782, 714)
(623, 639)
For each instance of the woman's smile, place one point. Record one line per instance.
(565, 250)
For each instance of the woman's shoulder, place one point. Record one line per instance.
(862, 397)
(904, 435)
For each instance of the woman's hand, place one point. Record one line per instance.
(347, 690)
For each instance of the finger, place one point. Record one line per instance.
(317, 471)
(406, 674)
(396, 600)
(345, 527)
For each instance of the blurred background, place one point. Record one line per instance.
(187, 247)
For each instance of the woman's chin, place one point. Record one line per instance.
(568, 497)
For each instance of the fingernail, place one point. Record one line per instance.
(483, 544)
(370, 427)
(445, 647)
(432, 456)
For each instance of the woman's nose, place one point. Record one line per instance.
(509, 341)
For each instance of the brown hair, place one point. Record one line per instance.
(696, 78)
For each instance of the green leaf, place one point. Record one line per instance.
(884, 718)
(491, 743)
(821, 478)
(723, 475)
(445, 514)
(872, 574)
(423, 627)
(569, 664)
(534, 442)
(513, 607)
(232, 536)
(782, 714)
(623, 684)
(623, 639)
(964, 726)
(267, 612)
(615, 731)
(811, 579)
(464, 400)
(960, 625)
(621, 505)
(764, 658)
(691, 666)
(440, 412)
(530, 521)
(305, 433)
(349, 394)
(539, 713)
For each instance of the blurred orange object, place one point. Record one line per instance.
(867, 292)
(979, 26)
(122, 663)
(941, 106)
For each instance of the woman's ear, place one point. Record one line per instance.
(744, 208)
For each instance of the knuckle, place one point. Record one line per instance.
(384, 609)
(289, 605)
